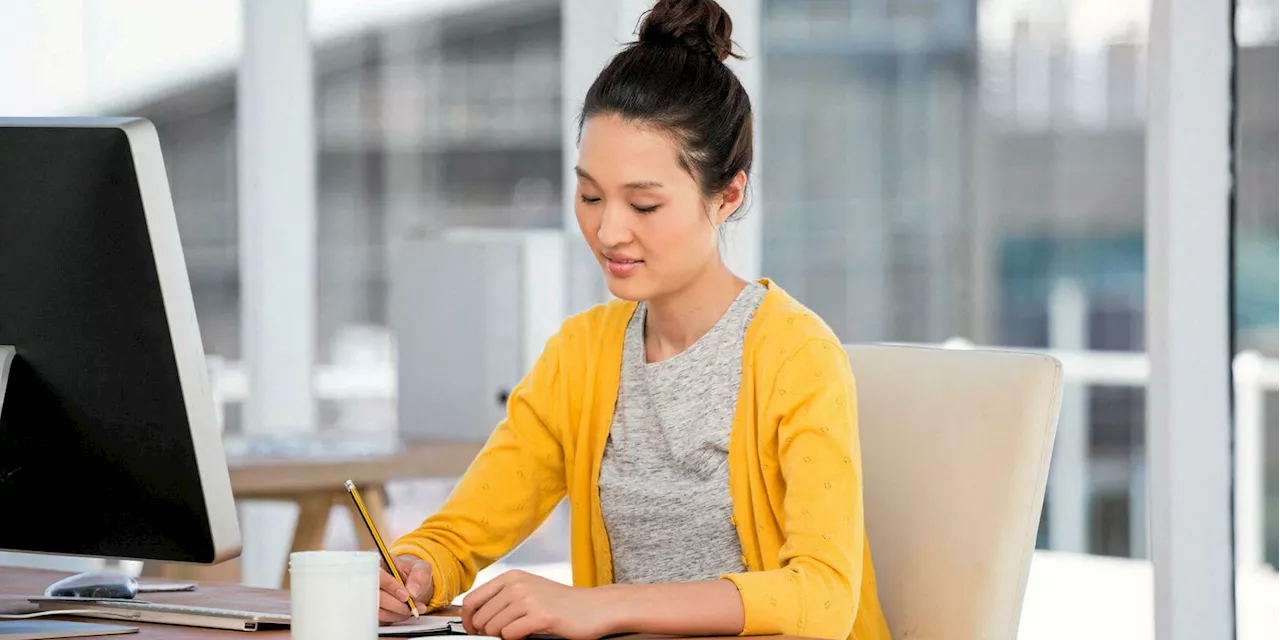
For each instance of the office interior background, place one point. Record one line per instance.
(944, 172)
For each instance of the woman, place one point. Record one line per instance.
(702, 427)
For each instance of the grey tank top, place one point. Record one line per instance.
(664, 479)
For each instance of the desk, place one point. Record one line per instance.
(33, 581)
(315, 483)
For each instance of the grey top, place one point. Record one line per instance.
(664, 480)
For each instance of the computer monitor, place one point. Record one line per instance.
(109, 444)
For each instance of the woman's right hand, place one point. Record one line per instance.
(393, 598)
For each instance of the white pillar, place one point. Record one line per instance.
(276, 159)
(1069, 471)
(1250, 460)
(1188, 401)
(593, 32)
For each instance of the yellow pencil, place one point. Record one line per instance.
(377, 539)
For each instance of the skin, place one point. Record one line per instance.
(655, 236)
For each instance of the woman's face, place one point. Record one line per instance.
(642, 214)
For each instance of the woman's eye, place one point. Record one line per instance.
(649, 209)
(589, 200)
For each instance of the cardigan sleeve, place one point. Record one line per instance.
(514, 483)
(815, 591)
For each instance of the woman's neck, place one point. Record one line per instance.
(676, 321)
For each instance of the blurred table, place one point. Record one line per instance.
(311, 471)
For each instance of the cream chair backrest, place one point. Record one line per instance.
(955, 448)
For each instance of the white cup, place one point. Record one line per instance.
(334, 595)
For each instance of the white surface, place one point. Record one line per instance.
(334, 595)
(1188, 323)
(1073, 596)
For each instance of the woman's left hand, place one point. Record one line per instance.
(518, 604)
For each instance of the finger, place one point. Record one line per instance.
(418, 580)
(478, 597)
(389, 585)
(391, 603)
(389, 617)
(497, 625)
(405, 564)
(523, 627)
(492, 609)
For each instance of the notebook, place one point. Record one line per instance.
(424, 626)
(445, 626)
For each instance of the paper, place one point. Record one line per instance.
(426, 626)
(423, 625)
(434, 636)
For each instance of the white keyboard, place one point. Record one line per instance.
(177, 614)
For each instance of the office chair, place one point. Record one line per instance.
(955, 448)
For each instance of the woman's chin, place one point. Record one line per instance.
(632, 289)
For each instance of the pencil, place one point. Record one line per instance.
(382, 548)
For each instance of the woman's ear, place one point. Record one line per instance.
(730, 199)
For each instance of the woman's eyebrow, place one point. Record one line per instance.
(642, 184)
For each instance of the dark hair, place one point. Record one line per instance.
(674, 79)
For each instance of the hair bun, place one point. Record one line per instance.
(700, 25)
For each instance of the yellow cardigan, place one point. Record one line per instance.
(795, 473)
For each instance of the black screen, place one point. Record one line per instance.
(96, 455)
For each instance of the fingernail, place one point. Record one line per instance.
(402, 594)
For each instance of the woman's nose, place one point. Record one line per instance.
(614, 227)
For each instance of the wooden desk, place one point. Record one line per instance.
(316, 485)
(33, 581)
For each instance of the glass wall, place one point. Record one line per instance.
(974, 171)
(1255, 234)
(1255, 286)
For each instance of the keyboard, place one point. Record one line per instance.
(176, 614)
